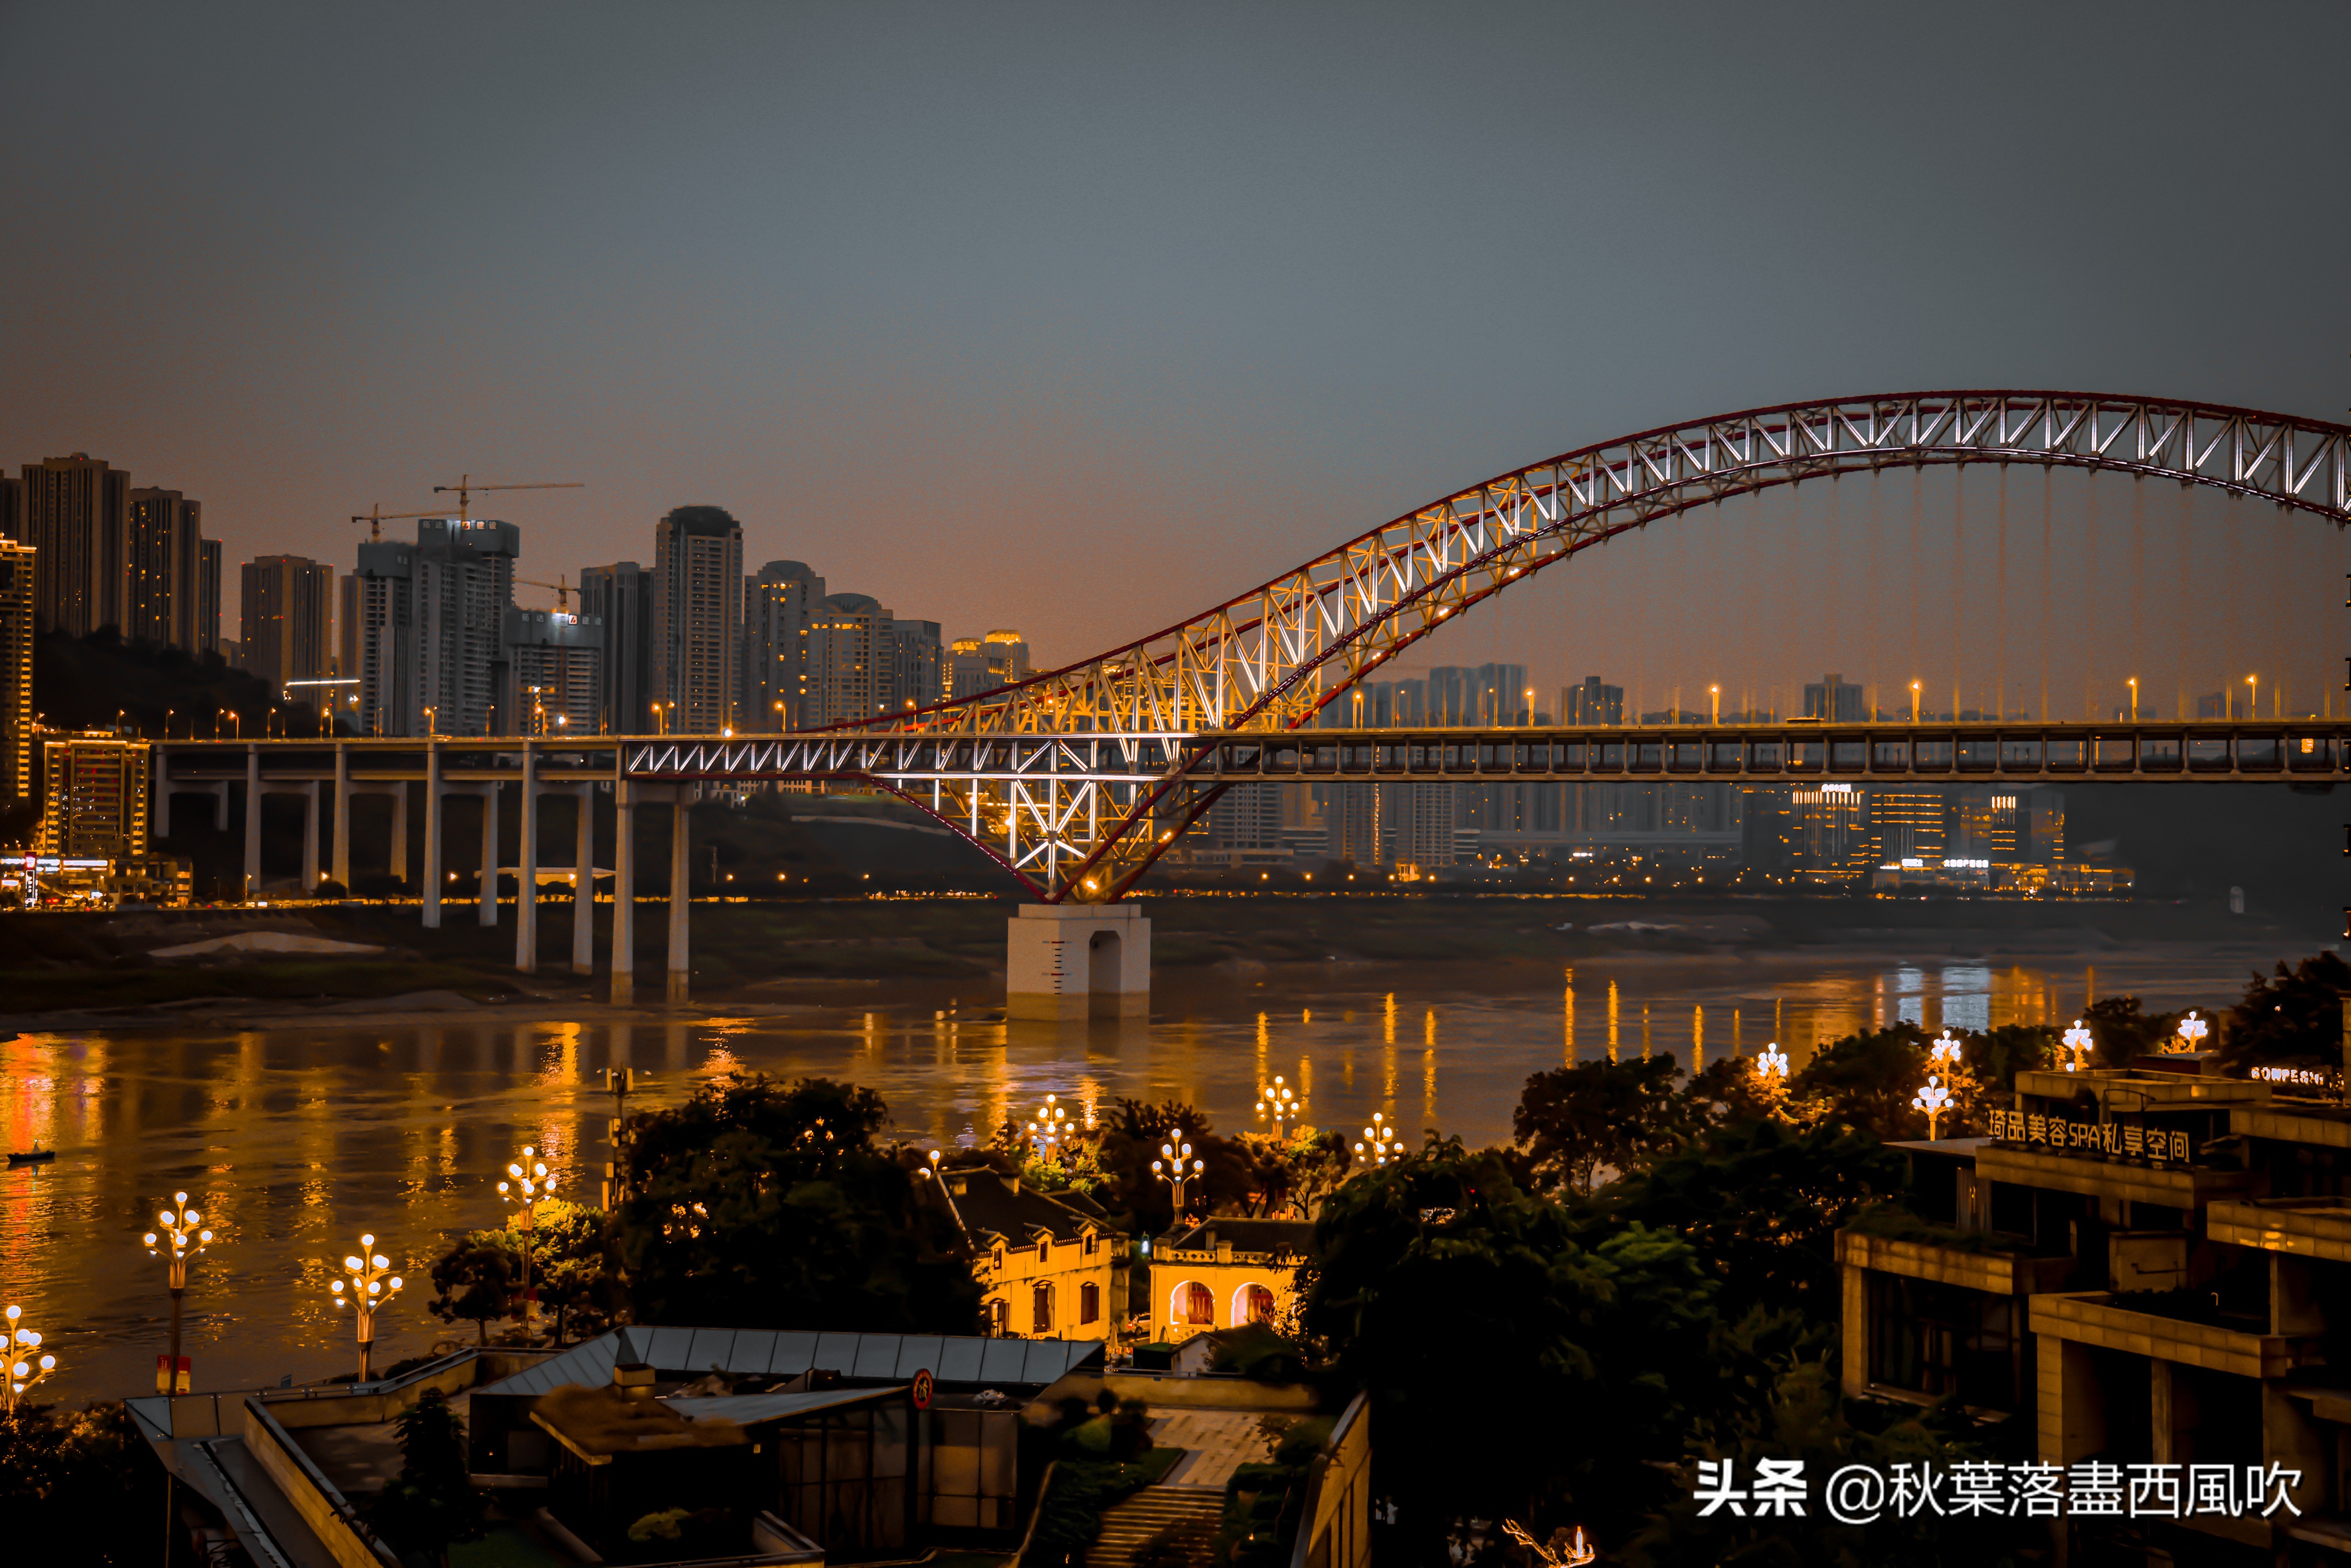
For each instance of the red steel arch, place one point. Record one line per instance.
(1272, 658)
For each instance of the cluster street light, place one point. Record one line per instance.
(1380, 1142)
(1945, 1050)
(1772, 1064)
(528, 1185)
(27, 1364)
(1049, 1127)
(1278, 1103)
(368, 1283)
(1934, 1099)
(2077, 1040)
(2192, 1030)
(1176, 1167)
(175, 1240)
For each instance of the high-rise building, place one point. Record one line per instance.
(18, 593)
(1591, 703)
(915, 679)
(1355, 820)
(76, 513)
(96, 799)
(432, 628)
(208, 598)
(620, 596)
(166, 560)
(554, 669)
(1245, 819)
(777, 605)
(346, 626)
(287, 618)
(1907, 824)
(1836, 699)
(1829, 828)
(851, 662)
(971, 665)
(1420, 820)
(1485, 694)
(697, 617)
(12, 509)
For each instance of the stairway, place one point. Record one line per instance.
(1127, 1525)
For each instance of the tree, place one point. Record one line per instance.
(1728, 1089)
(1868, 1081)
(1575, 1121)
(2295, 1015)
(432, 1504)
(567, 1266)
(2122, 1032)
(479, 1281)
(81, 1488)
(1509, 1363)
(1997, 1055)
(1761, 1201)
(767, 1204)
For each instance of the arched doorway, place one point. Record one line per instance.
(1252, 1303)
(1190, 1304)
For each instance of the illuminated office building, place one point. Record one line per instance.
(18, 594)
(95, 802)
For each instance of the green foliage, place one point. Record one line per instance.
(1995, 1057)
(2120, 1031)
(81, 1488)
(569, 1267)
(1255, 1352)
(478, 1281)
(2293, 1015)
(1868, 1081)
(431, 1503)
(1477, 1335)
(1761, 1201)
(770, 1205)
(1575, 1121)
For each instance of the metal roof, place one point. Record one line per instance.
(743, 1409)
(951, 1359)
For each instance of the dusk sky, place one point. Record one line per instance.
(1079, 319)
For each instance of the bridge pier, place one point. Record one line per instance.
(310, 839)
(583, 884)
(252, 821)
(527, 869)
(681, 813)
(429, 874)
(489, 906)
(339, 860)
(1077, 960)
(625, 893)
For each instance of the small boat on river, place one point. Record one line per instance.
(36, 1156)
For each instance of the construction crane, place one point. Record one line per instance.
(464, 487)
(562, 594)
(375, 517)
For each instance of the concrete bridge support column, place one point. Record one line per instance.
(252, 821)
(680, 902)
(400, 831)
(527, 869)
(339, 860)
(161, 813)
(490, 854)
(583, 884)
(1077, 960)
(624, 893)
(429, 873)
(309, 838)
(220, 808)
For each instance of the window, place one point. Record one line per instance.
(999, 1258)
(1044, 1246)
(1090, 1242)
(1089, 1303)
(1044, 1310)
(999, 1316)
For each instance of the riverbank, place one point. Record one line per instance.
(331, 964)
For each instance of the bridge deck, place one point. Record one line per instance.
(2310, 749)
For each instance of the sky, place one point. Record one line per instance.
(1080, 319)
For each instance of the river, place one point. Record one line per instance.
(294, 1141)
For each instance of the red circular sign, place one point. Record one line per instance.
(923, 1387)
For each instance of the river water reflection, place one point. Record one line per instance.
(294, 1141)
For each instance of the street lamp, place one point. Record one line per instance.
(1049, 1127)
(1945, 1050)
(1772, 1064)
(1934, 1099)
(2192, 1030)
(364, 1273)
(1380, 1142)
(2253, 702)
(177, 1239)
(528, 1184)
(1176, 1167)
(2133, 683)
(25, 1367)
(1914, 702)
(1714, 696)
(2077, 1040)
(1278, 1103)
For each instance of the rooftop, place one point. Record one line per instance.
(787, 1352)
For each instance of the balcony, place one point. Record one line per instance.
(2091, 1318)
(2304, 1226)
(1973, 1268)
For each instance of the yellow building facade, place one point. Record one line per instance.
(1049, 1263)
(1223, 1273)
